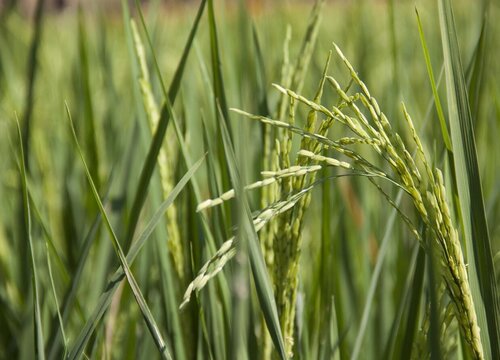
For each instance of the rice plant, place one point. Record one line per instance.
(221, 180)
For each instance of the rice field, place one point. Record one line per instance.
(250, 180)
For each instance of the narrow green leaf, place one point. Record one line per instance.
(475, 70)
(56, 301)
(437, 101)
(220, 102)
(333, 339)
(219, 91)
(261, 74)
(38, 331)
(88, 106)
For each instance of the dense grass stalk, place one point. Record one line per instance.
(139, 199)
(165, 163)
(156, 145)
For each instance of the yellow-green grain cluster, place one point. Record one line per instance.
(426, 189)
(422, 183)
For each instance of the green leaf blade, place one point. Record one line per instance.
(477, 239)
